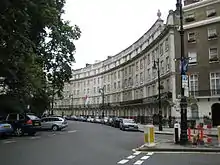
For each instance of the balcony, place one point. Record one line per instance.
(212, 36)
(205, 93)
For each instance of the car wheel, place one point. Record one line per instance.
(19, 132)
(55, 127)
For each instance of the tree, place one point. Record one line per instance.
(36, 46)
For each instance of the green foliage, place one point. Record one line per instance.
(36, 46)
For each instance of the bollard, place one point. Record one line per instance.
(149, 136)
(176, 133)
(218, 135)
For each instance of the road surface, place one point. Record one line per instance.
(91, 144)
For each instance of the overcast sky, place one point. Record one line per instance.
(109, 26)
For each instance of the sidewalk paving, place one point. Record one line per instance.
(171, 147)
(170, 131)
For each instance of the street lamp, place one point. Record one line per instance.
(102, 91)
(157, 66)
(71, 105)
(183, 60)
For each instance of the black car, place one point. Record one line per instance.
(23, 123)
(116, 122)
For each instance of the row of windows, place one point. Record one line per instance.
(210, 12)
(211, 33)
(214, 83)
(164, 66)
(213, 56)
(164, 47)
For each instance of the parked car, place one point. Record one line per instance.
(74, 118)
(110, 121)
(97, 120)
(104, 120)
(23, 123)
(116, 122)
(128, 124)
(82, 118)
(5, 129)
(90, 119)
(53, 123)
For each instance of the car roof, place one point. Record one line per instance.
(52, 117)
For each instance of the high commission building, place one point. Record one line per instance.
(130, 82)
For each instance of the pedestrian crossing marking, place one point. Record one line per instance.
(137, 153)
(122, 161)
(139, 162)
(145, 157)
(131, 157)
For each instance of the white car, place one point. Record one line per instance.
(105, 120)
(90, 119)
(97, 120)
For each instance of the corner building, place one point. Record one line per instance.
(202, 45)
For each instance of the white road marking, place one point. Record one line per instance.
(122, 161)
(139, 162)
(35, 137)
(9, 141)
(72, 131)
(131, 157)
(150, 153)
(145, 157)
(137, 153)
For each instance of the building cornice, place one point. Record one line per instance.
(147, 49)
(202, 23)
(200, 4)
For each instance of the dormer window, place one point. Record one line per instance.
(211, 12)
(190, 17)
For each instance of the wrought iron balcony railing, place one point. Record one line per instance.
(203, 93)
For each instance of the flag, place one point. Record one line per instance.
(86, 99)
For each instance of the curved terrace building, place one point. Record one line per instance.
(129, 79)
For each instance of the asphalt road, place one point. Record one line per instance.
(91, 144)
(80, 144)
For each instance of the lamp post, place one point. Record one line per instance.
(53, 93)
(102, 91)
(183, 60)
(71, 104)
(157, 66)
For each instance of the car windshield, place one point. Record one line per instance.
(32, 117)
(128, 121)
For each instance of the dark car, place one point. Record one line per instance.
(116, 122)
(23, 123)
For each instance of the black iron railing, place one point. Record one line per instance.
(201, 93)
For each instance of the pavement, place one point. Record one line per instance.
(170, 131)
(93, 144)
(171, 147)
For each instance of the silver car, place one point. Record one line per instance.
(54, 123)
(128, 124)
